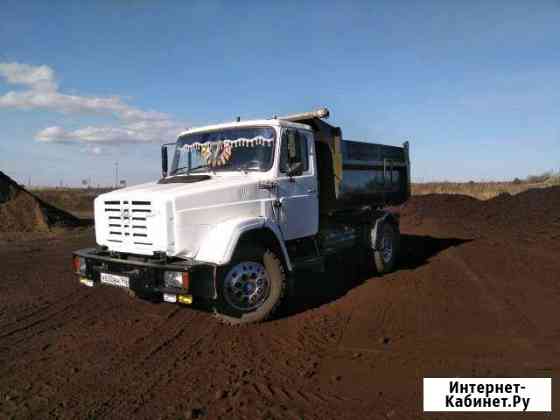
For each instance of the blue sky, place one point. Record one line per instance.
(474, 86)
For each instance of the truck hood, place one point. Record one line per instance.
(175, 217)
(179, 189)
(206, 192)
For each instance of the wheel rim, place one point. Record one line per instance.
(246, 285)
(387, 250)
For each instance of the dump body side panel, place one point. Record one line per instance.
(354, 174)
(373, 175)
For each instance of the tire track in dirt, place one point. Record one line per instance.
(154, 362)
(115, 380)
(300, 351)
(54, 313)
(500, 303)
(167, 375)
(298, 396)
(21, 315)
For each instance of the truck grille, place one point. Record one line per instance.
(128, 221)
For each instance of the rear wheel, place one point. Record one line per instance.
(251, 287)
(385, 256)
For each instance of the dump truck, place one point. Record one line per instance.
(243, 206)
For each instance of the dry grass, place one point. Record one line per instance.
(78, 201)
(482, 190)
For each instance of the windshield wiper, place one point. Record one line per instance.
(246, 167)
(179, 170)
(198, 167)
(187, 169)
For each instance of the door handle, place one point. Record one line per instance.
(311, 190)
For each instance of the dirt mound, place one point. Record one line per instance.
(537, 209)
(74, 200)
(8, 188)
(21, 211)
(530, 214)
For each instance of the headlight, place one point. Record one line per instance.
(176, 279)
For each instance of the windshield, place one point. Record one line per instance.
(247, 149)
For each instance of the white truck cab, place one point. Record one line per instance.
(239, 208)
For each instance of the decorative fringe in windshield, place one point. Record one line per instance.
(240, 142)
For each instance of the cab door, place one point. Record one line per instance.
(297, 185)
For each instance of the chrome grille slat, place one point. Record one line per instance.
(127, 221)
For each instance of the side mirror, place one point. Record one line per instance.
(295, 169)
(164, 161)
(164, 158)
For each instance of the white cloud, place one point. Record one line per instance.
(56, 101)
(36, 77)
(138, 132)
(136, 125)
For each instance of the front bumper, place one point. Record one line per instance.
(145, 274)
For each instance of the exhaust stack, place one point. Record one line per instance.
(318, 113)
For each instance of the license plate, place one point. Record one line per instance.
(114, 280)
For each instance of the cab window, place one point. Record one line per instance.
(294, 151)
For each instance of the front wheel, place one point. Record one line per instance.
(385, 256)
(251, 287)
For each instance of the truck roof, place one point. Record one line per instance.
(248, 123)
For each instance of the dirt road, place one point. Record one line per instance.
(477, 293)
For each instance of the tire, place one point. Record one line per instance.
(385, 258)
(251, 287)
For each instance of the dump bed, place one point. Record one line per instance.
(373, 174)
(355, 174)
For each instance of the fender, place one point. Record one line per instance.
(220, 243)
